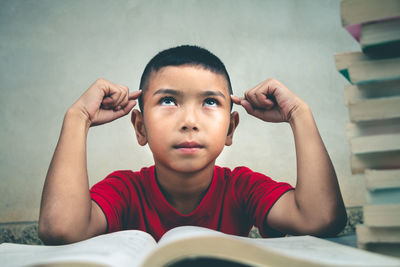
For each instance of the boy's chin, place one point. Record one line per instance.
(187, 167)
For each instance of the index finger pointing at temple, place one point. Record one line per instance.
(236, 99)
(134, 95)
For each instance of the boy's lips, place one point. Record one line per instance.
(188, 147)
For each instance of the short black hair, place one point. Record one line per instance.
(183, 55)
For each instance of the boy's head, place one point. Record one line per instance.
(180, 56)
(186, 106)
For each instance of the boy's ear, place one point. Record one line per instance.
(234, 121)
(138, 124)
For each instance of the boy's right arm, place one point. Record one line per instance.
(67, 213)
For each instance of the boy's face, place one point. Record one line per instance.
(186, 118)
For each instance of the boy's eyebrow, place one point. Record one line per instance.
(213, 93)
(167, 92)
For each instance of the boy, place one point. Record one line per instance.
(185, 118)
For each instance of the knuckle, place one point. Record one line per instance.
(101, 81)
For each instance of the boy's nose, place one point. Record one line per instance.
(189, 120)
(186, 128)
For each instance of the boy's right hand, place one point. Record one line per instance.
(105, 101)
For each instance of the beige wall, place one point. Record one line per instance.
(51, 51)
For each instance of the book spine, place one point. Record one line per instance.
(373, 131)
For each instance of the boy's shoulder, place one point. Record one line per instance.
(130, 177)
(241, 173)
(232, 172)
(143, 172)
(239, 170)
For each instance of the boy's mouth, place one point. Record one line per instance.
(188, 147)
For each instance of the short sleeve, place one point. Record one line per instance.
(256, 193)
(113, 196)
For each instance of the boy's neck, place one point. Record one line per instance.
(184, 191)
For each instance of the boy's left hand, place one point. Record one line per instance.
(316, 206)
(270, 101)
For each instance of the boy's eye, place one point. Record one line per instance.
(168, 101)
(211, 102)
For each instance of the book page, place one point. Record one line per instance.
(328, 252)
(308, 248)
(124, 248)
(185, 232)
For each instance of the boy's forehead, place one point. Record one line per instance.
(187, 77)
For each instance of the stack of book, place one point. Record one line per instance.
(373, 100)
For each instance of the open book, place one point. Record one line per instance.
(191, 246)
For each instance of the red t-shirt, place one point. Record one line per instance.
(235, 201)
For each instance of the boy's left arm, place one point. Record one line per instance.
(315, 206)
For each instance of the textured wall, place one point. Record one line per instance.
(51, 51)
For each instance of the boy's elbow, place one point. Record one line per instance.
(331, 224)
(51, 235)
(55, 234)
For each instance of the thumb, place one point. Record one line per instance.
(131, 104)
(248, 107)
